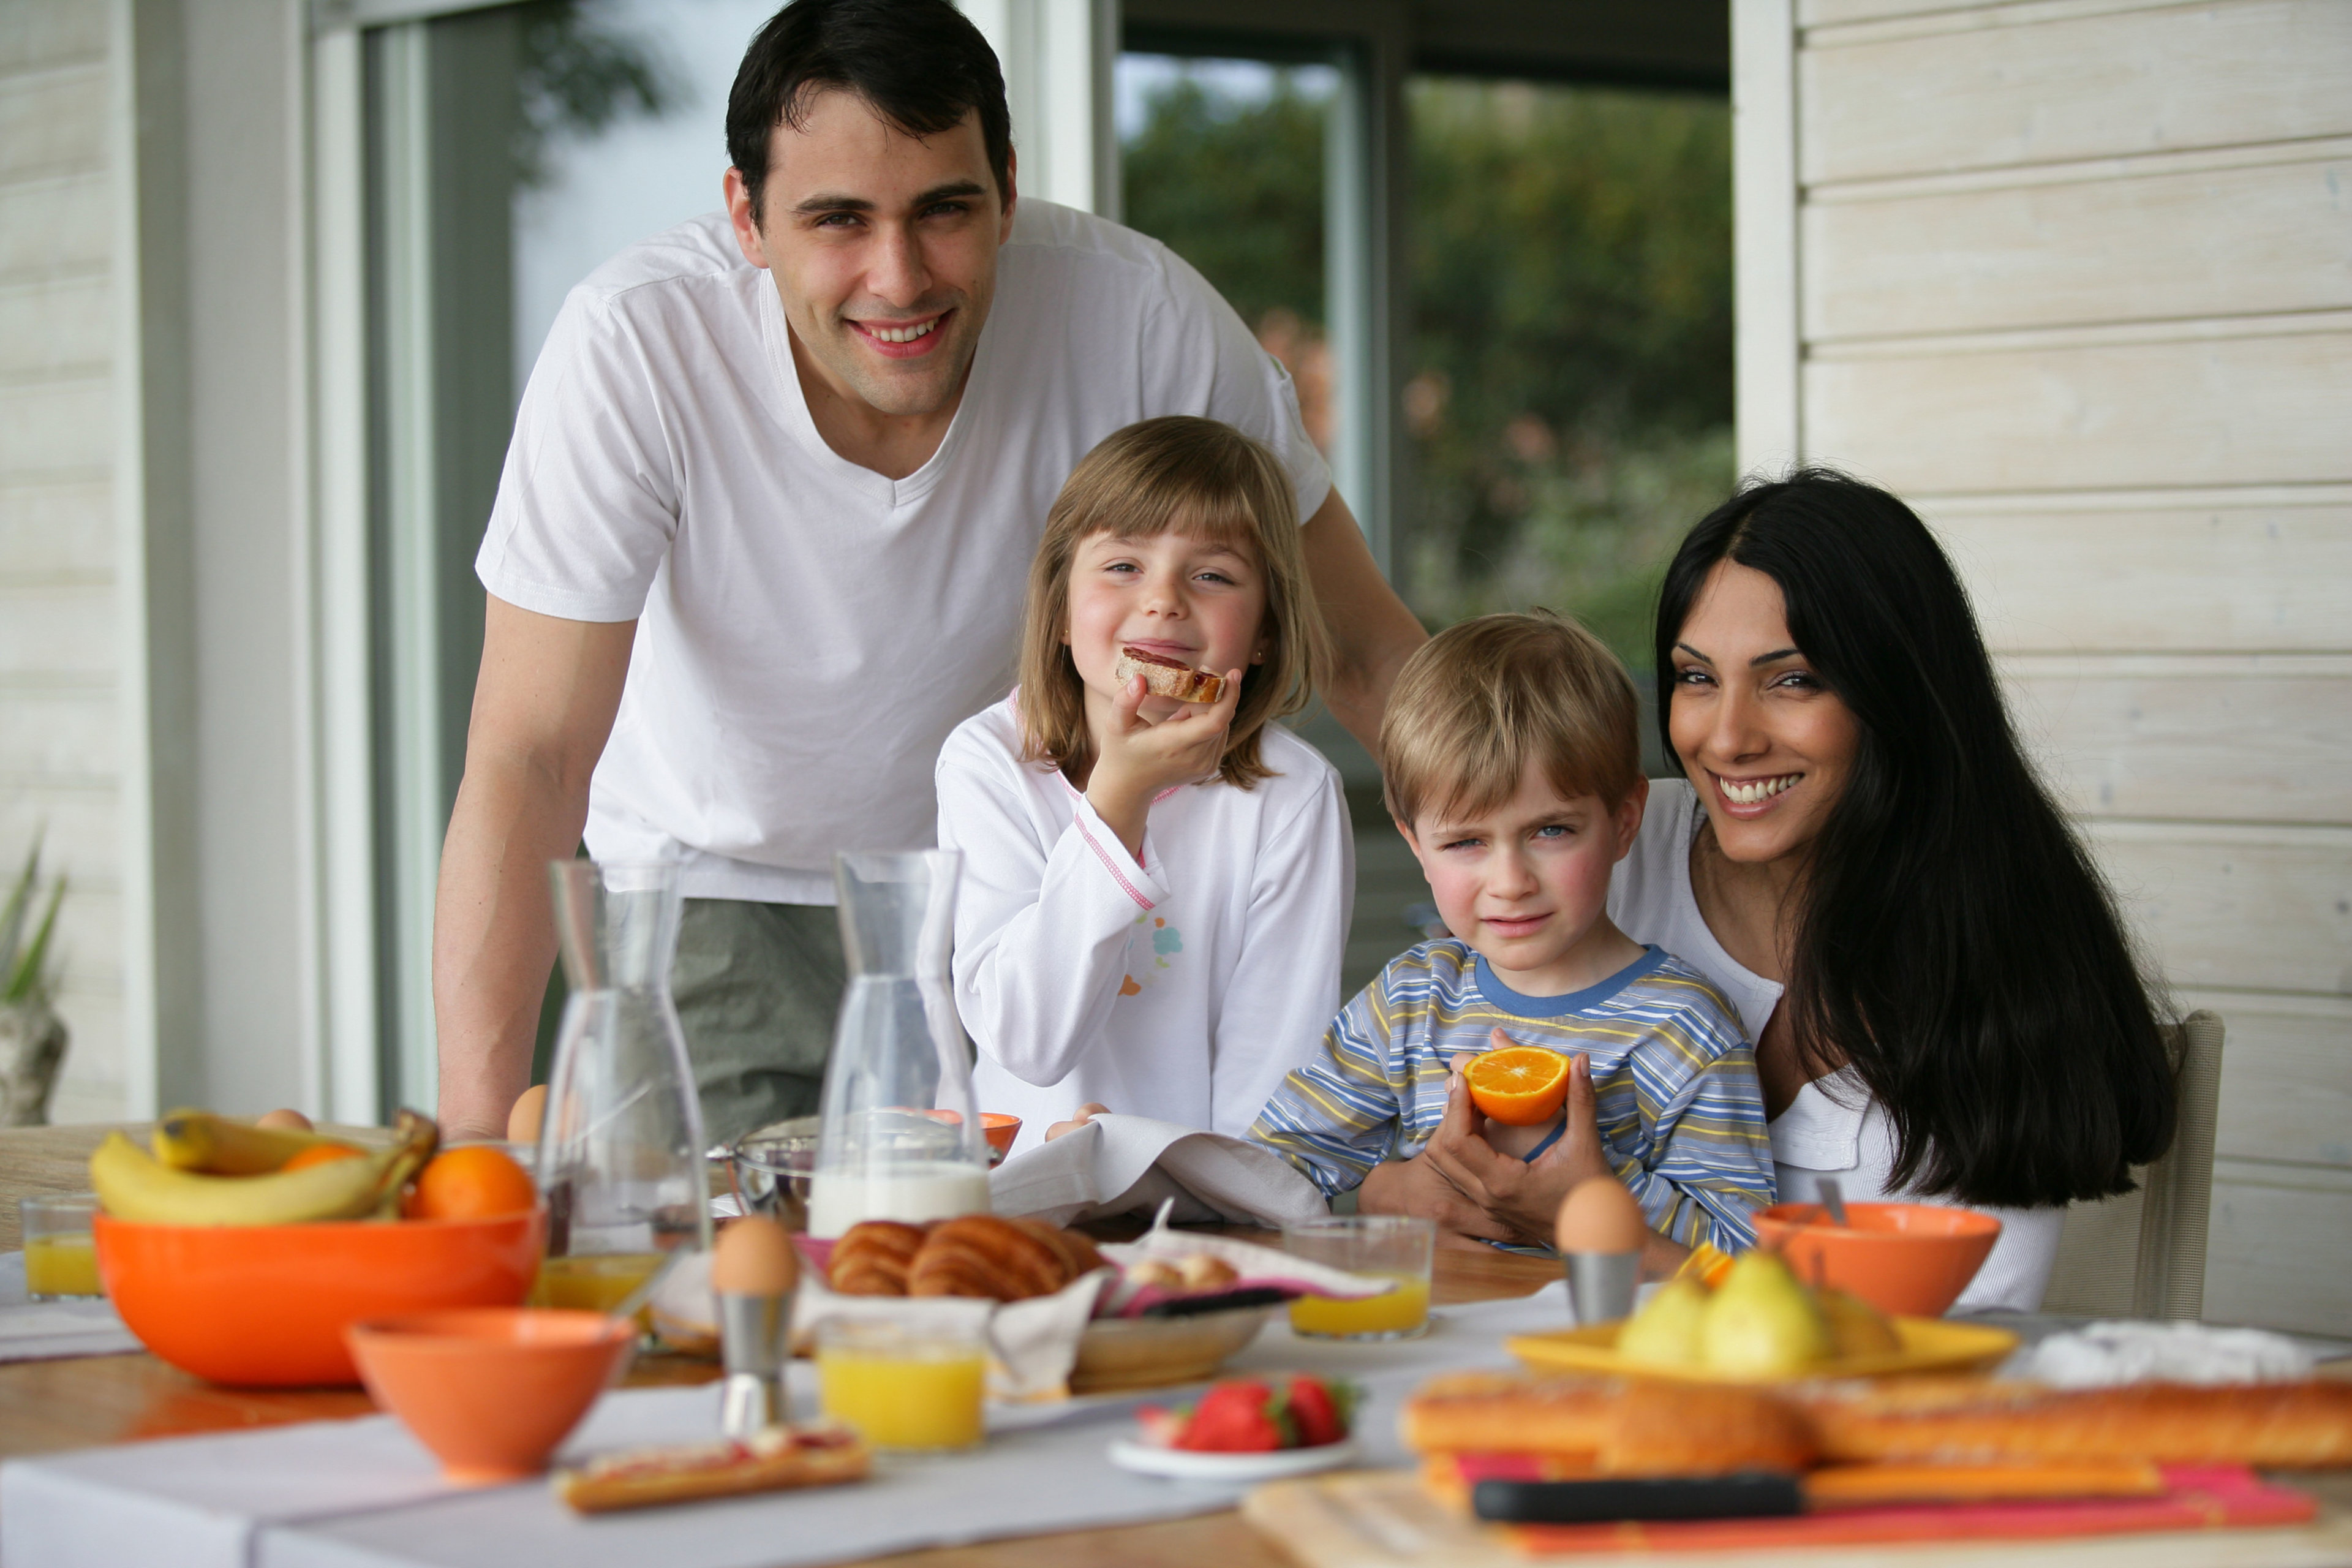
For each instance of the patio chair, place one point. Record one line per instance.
(2143, 1254)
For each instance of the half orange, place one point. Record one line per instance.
(1519, 1086)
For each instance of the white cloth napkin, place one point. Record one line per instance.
(1130, 1164)
(47, 1331)
(2100, 1355)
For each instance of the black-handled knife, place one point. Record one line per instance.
(1748, 1495)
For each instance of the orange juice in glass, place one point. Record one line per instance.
(1395, 1248)
(59, 1260)
(909, 1388)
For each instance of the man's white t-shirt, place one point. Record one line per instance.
(808, 631)
(1833, 1127)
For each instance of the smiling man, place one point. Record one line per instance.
(763, 532)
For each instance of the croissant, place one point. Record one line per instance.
(981, 1254)
(873, 1256)
(1077, 1248)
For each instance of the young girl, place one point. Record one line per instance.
(1155, 893)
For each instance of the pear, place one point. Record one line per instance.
(1666, 1332)
(1857, 1328)
(1762, 1322)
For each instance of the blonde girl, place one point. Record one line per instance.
(1155, 892)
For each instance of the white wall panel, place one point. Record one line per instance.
(2251, 737)
(56, 528)
(48, 226)
(61, 732)
(46, 427)
(77, 827)
(2286, 1076)
(57, 631)
(54, 122)
(2255, 908)
(2091, 415)
(37, 33)
(2049, 254)
(1981, 94)
(2050, 572)
(2276, 1253)
(53, 325)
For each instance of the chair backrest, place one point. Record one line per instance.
(2143, 1254)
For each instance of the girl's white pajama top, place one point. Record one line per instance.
(1182, 985)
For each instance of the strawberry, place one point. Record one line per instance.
(1240, 1416)
(1317, 1410)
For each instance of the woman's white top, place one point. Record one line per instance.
(1184, 986)
(1833, 1128)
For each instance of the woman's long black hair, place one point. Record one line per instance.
(1956, 945)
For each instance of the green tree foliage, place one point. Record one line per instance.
(1570, 370)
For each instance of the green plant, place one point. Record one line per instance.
(26, 976)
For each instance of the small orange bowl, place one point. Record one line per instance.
(492, 1390)
(265, 1305)
(1000, 1129)
(1910, 1260)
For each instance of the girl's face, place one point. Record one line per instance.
(1767, 745)
(1173, 595)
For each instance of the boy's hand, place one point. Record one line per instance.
(1085, 1113)
(1522, 1195)
(1137, 756)
(1414, 1187)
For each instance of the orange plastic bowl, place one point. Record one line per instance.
(491, 1391)
(265, 1305)
(1911, 1259)
(1000, 1129)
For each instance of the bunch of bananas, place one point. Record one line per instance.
(211, 1170)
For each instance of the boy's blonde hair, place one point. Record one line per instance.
(1194, 477)
(1483, 698)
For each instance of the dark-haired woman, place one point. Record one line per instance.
(1944, 1002)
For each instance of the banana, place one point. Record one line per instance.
(132, 1184)
(199, 1141)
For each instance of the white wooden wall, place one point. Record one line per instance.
(2076, 278)
(62, 663)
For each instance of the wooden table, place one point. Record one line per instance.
(49, 1405)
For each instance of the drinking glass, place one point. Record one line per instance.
(619, 1149)
(59, 1259)
(905, 1386)
(900, 1135)
(1384, 1247)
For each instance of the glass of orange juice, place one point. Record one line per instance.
(1381, 1247)
(906, 1387)
(59, 1260)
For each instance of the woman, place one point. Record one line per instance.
(1944, 1002)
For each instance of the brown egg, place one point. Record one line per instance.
(754, 1258)
(522, 1122)
(283, 1122)
(1599, 1216)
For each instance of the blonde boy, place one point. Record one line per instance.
(1513, 769)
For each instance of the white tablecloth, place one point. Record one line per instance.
(45, 1330)
(351, 1493)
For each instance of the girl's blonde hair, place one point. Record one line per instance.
(1206, 480)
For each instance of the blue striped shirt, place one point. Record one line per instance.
(1681, 1114)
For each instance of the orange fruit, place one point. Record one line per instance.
(321, 1155)
(1519, 1086)
(472, 1183)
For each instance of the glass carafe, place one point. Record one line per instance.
(898, 1137)
(620, 1148)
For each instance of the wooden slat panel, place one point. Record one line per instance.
(56, 528)
(2255, 740)
(53, 425)
(39, 33)
(80, 831)
(2236, 576)
(2144, 81)
(54, 226)
(2275, 1256)
(53, 123)
(92, 1078)
(2264, 909)
(75, 734)
(58, 630)
(46, 327)
(2206, 411)
(2223, 242)
(2286, 1076)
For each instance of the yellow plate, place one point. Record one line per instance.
(1930, 1344)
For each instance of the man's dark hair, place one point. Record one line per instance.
(919, 63)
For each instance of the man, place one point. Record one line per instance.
(763, 529)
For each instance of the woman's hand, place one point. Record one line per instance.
(1137, 757)
(1523, 1196)
(1085, 1113)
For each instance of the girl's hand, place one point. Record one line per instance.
(1137, 757)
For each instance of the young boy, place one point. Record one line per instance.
(1513, 768)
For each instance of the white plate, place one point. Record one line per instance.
(1187, 1465)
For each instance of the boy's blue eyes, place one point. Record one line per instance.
(1553, 830)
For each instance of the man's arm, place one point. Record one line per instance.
(543, 707)
(1372, 633)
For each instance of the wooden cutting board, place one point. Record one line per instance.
(1382, 1519)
